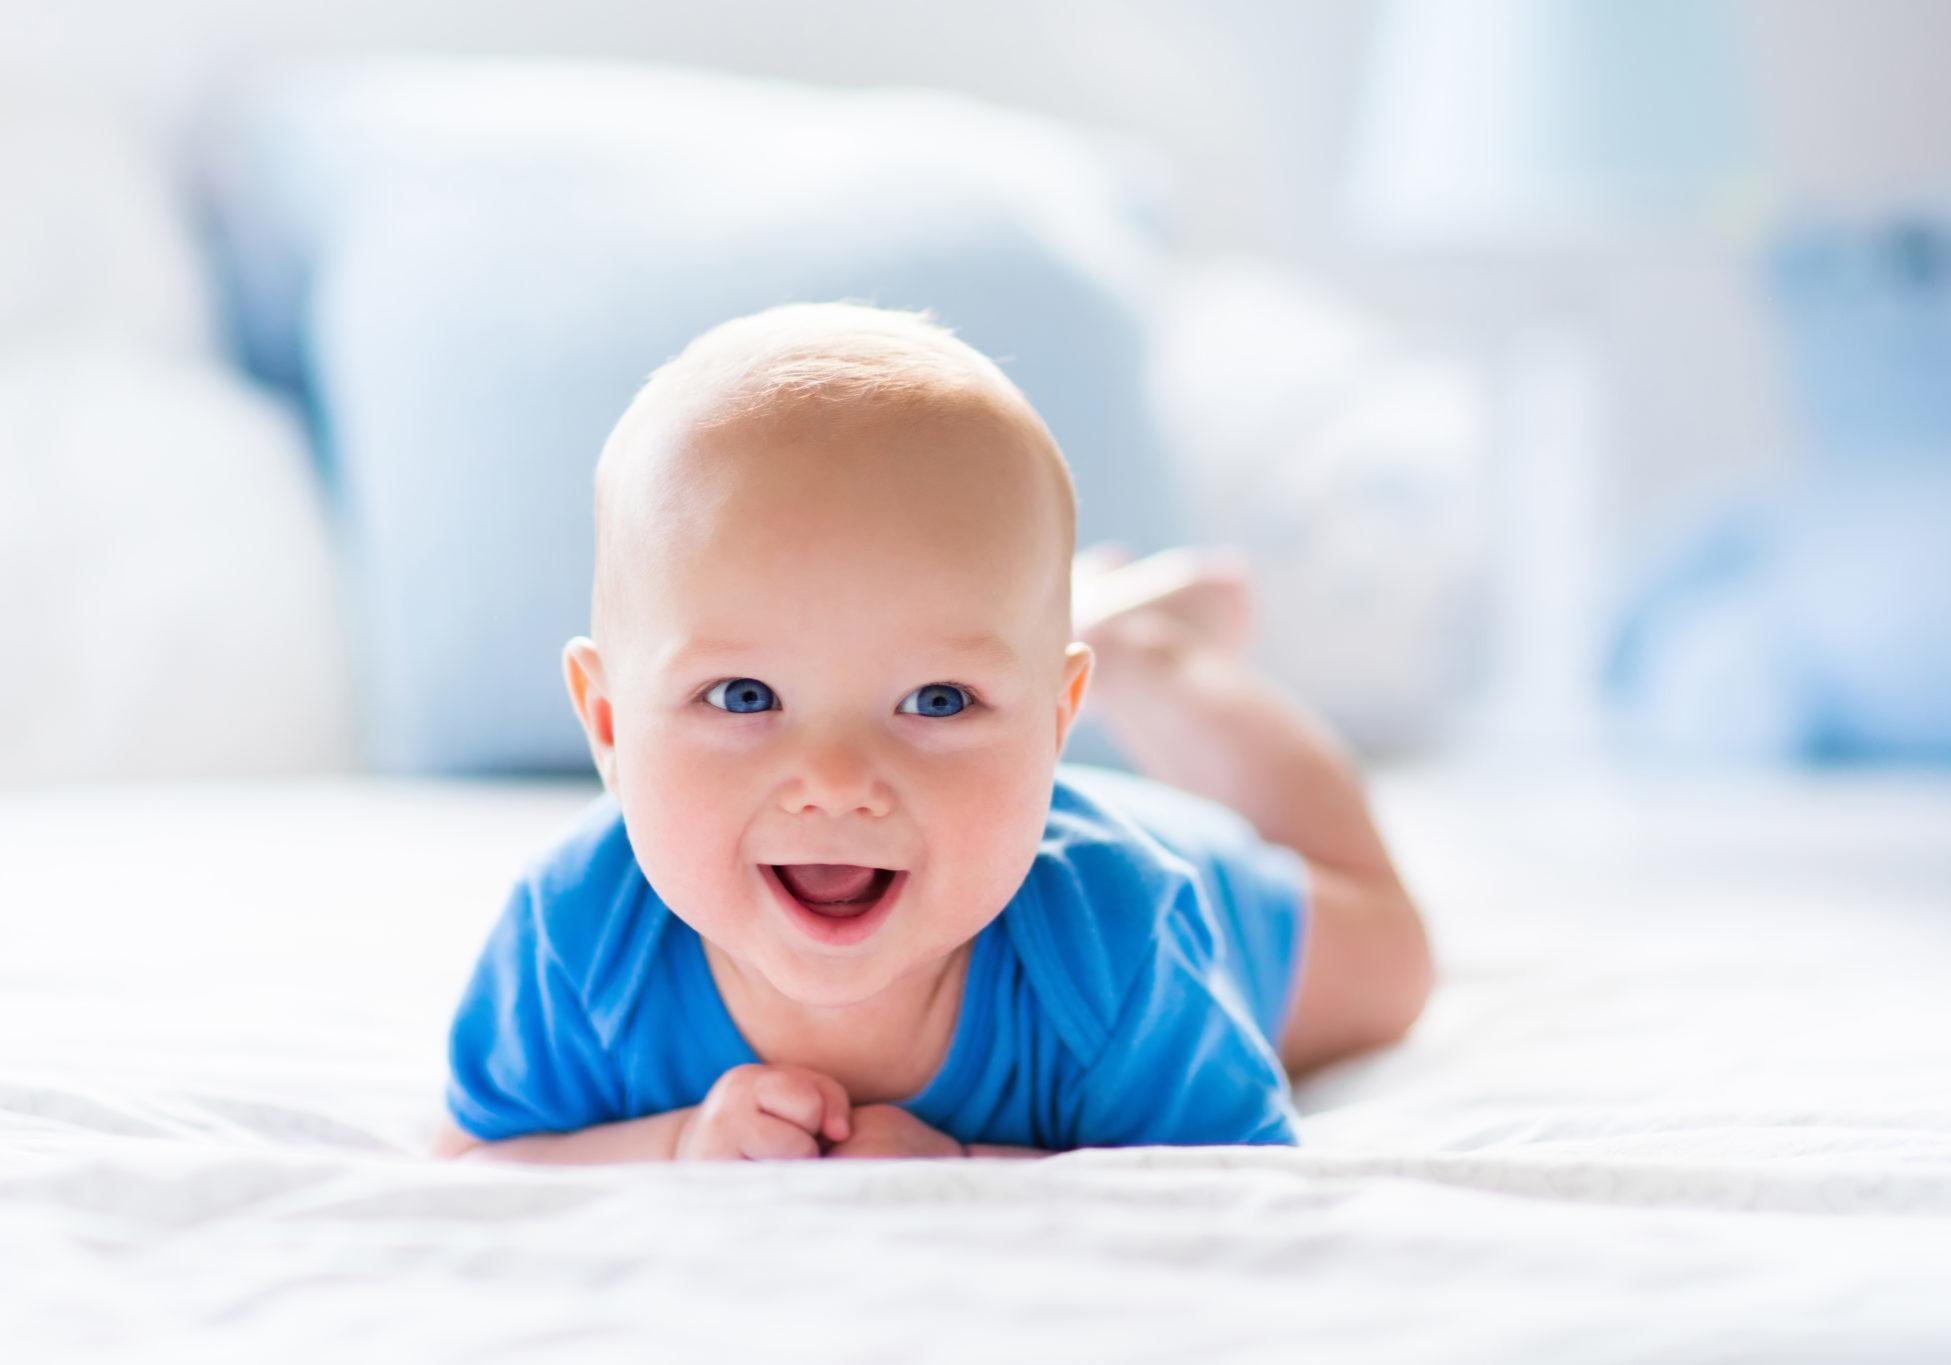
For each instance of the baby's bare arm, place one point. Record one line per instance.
(646, 1139)
(888, 1130)
(1190, 711)
(752, 1113)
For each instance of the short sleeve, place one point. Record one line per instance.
(1185, 1064)
(1257, 891)
(524, 1056)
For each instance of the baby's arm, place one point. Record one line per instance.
(888, 1130)
(646, 1139)
(1175, 689)
(753, 1112)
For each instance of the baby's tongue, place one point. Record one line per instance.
(826, 883)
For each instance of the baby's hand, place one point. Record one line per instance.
(887, 1130)
(758, 1113)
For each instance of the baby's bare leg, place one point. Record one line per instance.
(1177, 691)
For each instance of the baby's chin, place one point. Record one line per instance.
(830, 985)
(817, 977)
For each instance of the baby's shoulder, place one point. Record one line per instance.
(592, 915)
(1103, 901)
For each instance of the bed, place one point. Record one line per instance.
(1684, 1094)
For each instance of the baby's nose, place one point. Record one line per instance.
(836, 777)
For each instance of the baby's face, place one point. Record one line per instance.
(838, 674)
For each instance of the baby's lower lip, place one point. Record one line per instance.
(837, 889)
(837, 922)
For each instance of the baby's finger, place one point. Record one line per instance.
(838, 1125)
(764, 1137)
(792, 1094)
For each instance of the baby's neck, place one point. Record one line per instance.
(881, 1050)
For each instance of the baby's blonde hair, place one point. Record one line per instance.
(819, 360)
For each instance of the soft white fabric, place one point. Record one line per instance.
(1350, 468)
(92, 243)
(167, 600)
(1682, 1096)
(167, 595)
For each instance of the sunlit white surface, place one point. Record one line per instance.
(1682, 1095)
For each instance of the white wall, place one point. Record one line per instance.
(1173, 73)
(1249, 103)
(1250, 99)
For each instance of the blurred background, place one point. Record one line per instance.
(1577, 373)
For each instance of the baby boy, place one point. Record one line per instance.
(840, 899)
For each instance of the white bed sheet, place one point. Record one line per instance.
(1684, 1094)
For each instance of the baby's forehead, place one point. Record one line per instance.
(885, 463)
(810, 400)
(721, 450)
(926, 520)
(736, 377)
(725, 412)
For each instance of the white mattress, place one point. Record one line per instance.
(1684, 1094)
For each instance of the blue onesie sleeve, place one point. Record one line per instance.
(1137, 955)
(1184, 1063)
(1256, 891)
(528, 1052)
(524, 1055)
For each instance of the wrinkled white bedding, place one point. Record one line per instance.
(1685, 1094)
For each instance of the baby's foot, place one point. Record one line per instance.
(1200, 597)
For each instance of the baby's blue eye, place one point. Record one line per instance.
(936, 699)
(742, 695)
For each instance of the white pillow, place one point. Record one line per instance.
(167, 597)
(91, 241)
(167, 603)
(1351, 472)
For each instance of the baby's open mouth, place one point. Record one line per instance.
(836, 890)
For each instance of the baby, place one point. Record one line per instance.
(841, 900)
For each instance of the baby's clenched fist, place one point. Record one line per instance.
(762, 1113)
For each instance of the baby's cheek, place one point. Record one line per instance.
(681, 816)
(992, 817)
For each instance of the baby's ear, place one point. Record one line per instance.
(582, 669)
(1078, 662)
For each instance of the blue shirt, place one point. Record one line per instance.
(1126, 994)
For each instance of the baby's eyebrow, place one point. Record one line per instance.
(991, 649)
(975, 649)
(700, 650)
